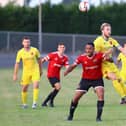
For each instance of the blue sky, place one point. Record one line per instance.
(95, 2)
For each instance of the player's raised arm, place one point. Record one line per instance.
(16, 67)
(107, 57)
(121, 49)
(43, 60)
(46, 58)
(69, 69)
(109, 51)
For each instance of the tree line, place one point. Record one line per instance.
(64, 19)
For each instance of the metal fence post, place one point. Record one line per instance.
(8, 41)
(40, 25)
(73, 43)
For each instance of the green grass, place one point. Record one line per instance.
(11, 113)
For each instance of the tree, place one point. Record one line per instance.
(70, 1)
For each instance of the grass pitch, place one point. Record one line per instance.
(11, 113)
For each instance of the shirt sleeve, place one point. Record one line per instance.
(78, 60)
(48, 57)
(119, 57)
(38, 53)
(101, 55)
(66, 63)
(97, 45)
(116, 44)
(18, 57)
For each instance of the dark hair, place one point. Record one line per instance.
(90, 43)
(61, 43)
(25, 38)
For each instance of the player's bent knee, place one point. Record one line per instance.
(36, 86)
(58, 87)
(100, 92)
(78, 95)
(24, 88)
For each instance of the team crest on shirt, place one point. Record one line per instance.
(32, 53)
(56, 59)
(95, 60)
(85, 62)
(110, 42)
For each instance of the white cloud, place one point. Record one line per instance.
(4, 2)
(95, 2)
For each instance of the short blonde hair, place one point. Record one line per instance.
(104, 25)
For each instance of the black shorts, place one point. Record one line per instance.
(85, 84)
(53, 81)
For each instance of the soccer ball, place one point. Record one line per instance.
(84, 6)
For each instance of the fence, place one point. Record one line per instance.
(11, 41)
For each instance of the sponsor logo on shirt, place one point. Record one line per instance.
(91, 68)
(57, 65)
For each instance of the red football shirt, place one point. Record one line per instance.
(91, 66)
(55, 64)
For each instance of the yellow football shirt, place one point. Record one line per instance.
(29, 59)
(122, 58)
(102, 45)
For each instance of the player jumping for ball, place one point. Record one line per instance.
(105, 44)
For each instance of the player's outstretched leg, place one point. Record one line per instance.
(74, 104)
(118, 84)
(54, 93)
(72, 109)
(44, 104)
(119, 88)
(57, 88)
(50, 98)
(100, 105)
